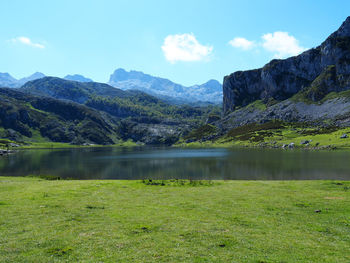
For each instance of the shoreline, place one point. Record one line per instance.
(195, 145)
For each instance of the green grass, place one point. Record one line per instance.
(60, 145)
(132, 221)
(202, 131)
(258, 104)
(276, 134)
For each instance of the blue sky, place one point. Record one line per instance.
(188, 42)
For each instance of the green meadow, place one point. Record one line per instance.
(272, 134)
(173, 221)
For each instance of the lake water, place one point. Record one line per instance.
(171, 163)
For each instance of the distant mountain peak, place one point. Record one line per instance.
(77, 77)
(6, 75)
(162, 88)
(213, 82)
(6, 80)
(121, 74)
(34, 76)
(37, 75)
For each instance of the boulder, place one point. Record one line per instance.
(344, 136)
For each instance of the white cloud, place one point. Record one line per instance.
(184, 47)
(27, 41)
(281, 44)
(243, 43)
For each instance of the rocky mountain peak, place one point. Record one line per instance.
(77, 77)
(37, 75)
(317, 71)
(123, 75)
(34, 76)
(119, 75)
(7, 76)
(344, 29)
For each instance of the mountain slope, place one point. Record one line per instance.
(166, 89)
(112, 100)
(288, 99)
(317, 72)
(139, 116)
(27, 117)
(71, 90)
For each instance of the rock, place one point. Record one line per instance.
(291, 145)
(284, 146)
(322, 69)
(305, 142)
(88, 144)
(212, 119)
(2, 152)
(344, 136)
(318, 211)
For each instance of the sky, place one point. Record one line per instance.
(186, 41)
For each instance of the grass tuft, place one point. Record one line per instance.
(178, 182)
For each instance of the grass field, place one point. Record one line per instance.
(277, 137)
(132, 221)
(59, 145)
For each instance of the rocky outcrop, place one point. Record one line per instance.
(332, 112)
(317, 71)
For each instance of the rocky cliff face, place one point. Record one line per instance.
(317, 71)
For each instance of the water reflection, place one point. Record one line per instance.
(165, 163)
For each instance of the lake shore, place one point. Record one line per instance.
(132, 221)
(270, 135)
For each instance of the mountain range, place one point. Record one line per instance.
(61, 110)
(210, 91)
(308, 90)
(207, 93)
(6, 80)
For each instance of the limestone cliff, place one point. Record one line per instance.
(316, 72)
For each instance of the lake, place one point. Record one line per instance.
(172, 163)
